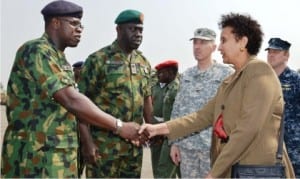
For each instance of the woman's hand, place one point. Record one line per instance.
(151, 130)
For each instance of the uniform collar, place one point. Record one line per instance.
(116, 48)
(46, 37)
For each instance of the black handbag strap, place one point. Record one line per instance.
(280, 140)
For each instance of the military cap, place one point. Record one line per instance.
(167, 63)
(278, 44)
(78, 64)
(204, 34)
(130, 16)
(62, 8)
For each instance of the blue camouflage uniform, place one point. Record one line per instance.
(290, 83)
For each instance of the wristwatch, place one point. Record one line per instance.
(119, 125)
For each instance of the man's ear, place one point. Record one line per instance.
(55, 22)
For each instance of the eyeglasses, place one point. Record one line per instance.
(76, 24)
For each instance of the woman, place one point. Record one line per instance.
(246, 111)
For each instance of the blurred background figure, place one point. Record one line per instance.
(2, 95)
(278, 56)
(77, 66)
(163, 95)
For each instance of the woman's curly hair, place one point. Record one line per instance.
(244, 25)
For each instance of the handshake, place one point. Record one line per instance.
(141, 134)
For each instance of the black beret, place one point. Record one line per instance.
(130, 16)
(62, 8)
(78, 64)
(278, 44)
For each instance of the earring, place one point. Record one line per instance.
(242, 49)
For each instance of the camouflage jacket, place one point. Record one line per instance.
(196, 89)
(34, 118)
(117, 83)
(290, 83)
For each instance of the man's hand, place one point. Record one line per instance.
(143, 139)
(130, 130)
(175, 154)
(90, 152)
(208, 176)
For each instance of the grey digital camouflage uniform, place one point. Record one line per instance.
(196, 89)
(41, 138)
(290, 83)
(117, 83)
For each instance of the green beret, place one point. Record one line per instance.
(130, 16)
(62, 8)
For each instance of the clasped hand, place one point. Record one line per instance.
(138, 135)
(130, 132)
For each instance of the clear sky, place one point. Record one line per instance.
(168, 26)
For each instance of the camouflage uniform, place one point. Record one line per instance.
(290, 83)
(117, 83)
(163, 99)
(41, 138)
(196, 89)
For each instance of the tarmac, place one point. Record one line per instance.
(146, 166)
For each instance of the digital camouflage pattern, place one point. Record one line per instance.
(41, 138)
(163, 99)
(196, 89)
(117, 83)
(290, 83)
(198, 156)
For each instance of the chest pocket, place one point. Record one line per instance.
(115, 73)
(143, 76)
(289, 91)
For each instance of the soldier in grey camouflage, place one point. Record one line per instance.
(198, 85)
(41, 138)
(117, 79)
(278, 55)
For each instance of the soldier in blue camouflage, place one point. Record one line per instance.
(278, 55)
(198, 85)
(163, 95)
(41, 138)
(117, 79)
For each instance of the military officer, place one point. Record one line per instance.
(278, 56)
(117, 79)
(163, 96)
(41, 139)
(198, 84)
